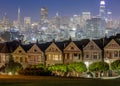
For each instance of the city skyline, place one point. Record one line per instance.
(31, 8)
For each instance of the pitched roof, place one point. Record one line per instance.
(44, 46)
(82, 43)
(26, 47)
(99, 43)
(8, 47)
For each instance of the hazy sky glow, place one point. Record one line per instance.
(64, 7)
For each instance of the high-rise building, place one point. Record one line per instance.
(6, 23)
(109, 16)
(102, 10)
(18, 19)
(44, 14)
(57, 20)
(109, 21)
(86, 15)
(27, 22)
(95, 28)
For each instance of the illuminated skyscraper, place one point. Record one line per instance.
(57, 20)
(43, 14)
(27, 22)
(6, 23)
(18, 19)
(86, 15)
(102, 15)
(95, 28)
(102, 11)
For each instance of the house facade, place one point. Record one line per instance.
(20, 56)
(4, 54)
(53, 55)
(60, 52)
(112, 51)
(72, 53)
(35, 55)
(92, 53)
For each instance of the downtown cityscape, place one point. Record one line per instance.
(63, 42)
(78, 26)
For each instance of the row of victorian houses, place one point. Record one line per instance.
(50, 53)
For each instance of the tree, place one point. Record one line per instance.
(115, 65)
(58, 69)
(77, 67)
(99, 66)
(12, 67)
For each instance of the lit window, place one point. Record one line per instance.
(60, 58)
(49, 57)
(55, 57)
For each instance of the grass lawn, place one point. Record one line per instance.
(54, 81)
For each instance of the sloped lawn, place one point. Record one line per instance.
(54, 81)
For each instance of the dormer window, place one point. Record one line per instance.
(72, 48)
(20, 51)
(35, 50)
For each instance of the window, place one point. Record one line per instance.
(94, 56)
(21, 59)
(68, 55)
(49, 57)
(87, 56)
(115, 53)
(60, 58)
(35, 50)
(20, 51)
(72, 48)
(55, 57)
(39, 58)
(76, 56)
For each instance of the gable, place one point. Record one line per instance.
(91, 46)
(53, 48)
(34, 49)
(19, 50)
(112, 45)
(72, 47)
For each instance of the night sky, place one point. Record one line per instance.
(64, 7)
